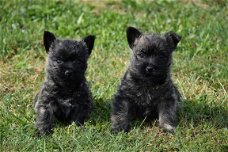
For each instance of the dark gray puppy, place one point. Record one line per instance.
(146, 90)
(64, 94)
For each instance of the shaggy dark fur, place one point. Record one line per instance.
(64, 94)
(146, 90)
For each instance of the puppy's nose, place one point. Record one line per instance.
(68, 73)
(149, 69)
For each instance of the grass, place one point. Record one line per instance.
(199, 70)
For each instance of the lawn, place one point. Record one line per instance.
(200, 70)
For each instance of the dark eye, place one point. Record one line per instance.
(141, 54)
(75, 61)
(78, 60)
(163, 56)
(59, 61)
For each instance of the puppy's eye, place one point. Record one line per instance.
(59, 61)
(78, 61)
(163, 56)
(141, 54)
(75, 61)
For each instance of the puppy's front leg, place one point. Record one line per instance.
(79, 114)
(44, 120)
(120, 116)
(168, 116)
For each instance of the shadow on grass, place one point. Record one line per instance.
(196, 113)
(101, 111)
(192, 112)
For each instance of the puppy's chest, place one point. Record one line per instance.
(148, 96)
(69, 99)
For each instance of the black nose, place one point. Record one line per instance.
(149, 69)
(68, 73)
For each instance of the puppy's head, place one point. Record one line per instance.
(67, 59)
(151, 53)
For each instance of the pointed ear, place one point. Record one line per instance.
(132, 35)
(89, 40)
(172, 38)
(48, 39)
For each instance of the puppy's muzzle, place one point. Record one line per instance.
(149, 69)
(68, 73)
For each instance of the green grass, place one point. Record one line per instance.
(200, 70)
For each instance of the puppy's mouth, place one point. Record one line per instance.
(70, 78)
(148, 74)
(153, 73)
(73, 77)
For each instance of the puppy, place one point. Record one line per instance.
(64, 95)
(146, 89)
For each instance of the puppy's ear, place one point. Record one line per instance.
(132, 35)
(89, 40)
(48, 39)
(173, 39)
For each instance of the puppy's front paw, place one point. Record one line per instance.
(43, 132)
(168, 128)
(79, 123)
(119, 128)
